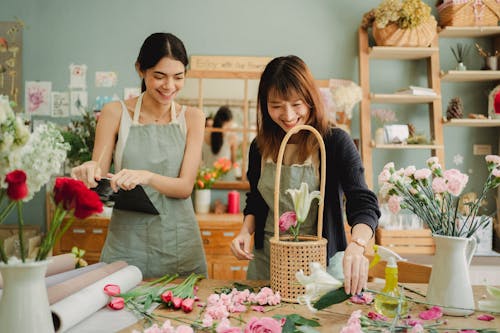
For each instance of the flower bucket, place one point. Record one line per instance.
(288, 256)
(392, 35)
(24, 306)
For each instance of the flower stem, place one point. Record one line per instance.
(21, 229)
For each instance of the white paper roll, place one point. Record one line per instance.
(73, 309)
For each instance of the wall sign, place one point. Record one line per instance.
(229, 63)
(10, 60)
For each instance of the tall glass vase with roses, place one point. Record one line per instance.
(27, 162)
(434, 194)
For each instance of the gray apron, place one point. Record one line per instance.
(291, 177)
(157, 244)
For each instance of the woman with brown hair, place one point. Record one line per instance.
(288, 97)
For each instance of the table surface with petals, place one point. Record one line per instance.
(333, 318)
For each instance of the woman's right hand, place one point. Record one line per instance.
(87, 172)
(240, 246)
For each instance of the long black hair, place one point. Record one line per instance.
(156, 47)
(222, 116)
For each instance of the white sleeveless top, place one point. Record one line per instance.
(126, 122)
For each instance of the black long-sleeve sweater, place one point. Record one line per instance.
(344, 175)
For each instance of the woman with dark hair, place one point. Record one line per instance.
(156, 143)
(287, 97)
(220, 144)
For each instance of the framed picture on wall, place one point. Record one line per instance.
(77, 76)
(37, 97)
(60, 104)
(79, 102)
(10, 60)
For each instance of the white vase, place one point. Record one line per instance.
(461, 67)
(202, 198)
(380, 136)
(24, 306)
(449, 284)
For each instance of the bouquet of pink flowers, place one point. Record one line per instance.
(433, 194)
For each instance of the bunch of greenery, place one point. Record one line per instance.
(406, 14)
(80, 136)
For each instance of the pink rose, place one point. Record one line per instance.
(184, 329)
(263, 325)
(485, 317)
(287, 220)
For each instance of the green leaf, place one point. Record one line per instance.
(294, 320)
(289, 327)
(330, 298)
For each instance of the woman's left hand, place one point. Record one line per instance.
(355, 266)
(128, 179)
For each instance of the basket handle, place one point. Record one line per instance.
(281, 152)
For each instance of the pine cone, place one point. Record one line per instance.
(455, 108)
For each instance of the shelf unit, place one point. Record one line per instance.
(472, 76)
(431, 55)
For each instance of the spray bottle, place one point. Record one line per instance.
(383, 303)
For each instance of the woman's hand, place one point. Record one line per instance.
(128, 179)
(355, 266)
(88, 173)
(240, 246)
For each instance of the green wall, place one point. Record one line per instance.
(106, 36)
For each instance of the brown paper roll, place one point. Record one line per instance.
(58, 264)
(64, 289)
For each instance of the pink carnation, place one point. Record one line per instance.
(433, 313)
(287, 220)
(455, 181)
(439, 185)
(422, 173)
(263, 325)
(394, 204)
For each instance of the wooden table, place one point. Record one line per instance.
(333, 318)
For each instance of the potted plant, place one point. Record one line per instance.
(402, 23)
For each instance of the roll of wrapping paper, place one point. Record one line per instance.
(64, 289)
(57, 264)
(78, 306)
(61, 277)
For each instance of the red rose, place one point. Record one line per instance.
(17, 188)
(73, 194)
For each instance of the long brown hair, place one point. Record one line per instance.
(284, 77)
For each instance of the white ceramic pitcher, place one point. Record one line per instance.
(449, 285)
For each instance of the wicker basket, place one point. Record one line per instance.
(392, 35)
(469, 13)
(288, 256)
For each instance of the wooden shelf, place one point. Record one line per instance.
(470, 76)
(402, 53)
(469, 32)
(472, 122)
(402, 99)
(405, 146)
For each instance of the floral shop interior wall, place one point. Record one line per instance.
(103, 38)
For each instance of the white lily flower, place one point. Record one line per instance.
(317, 284)
(302, 200)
